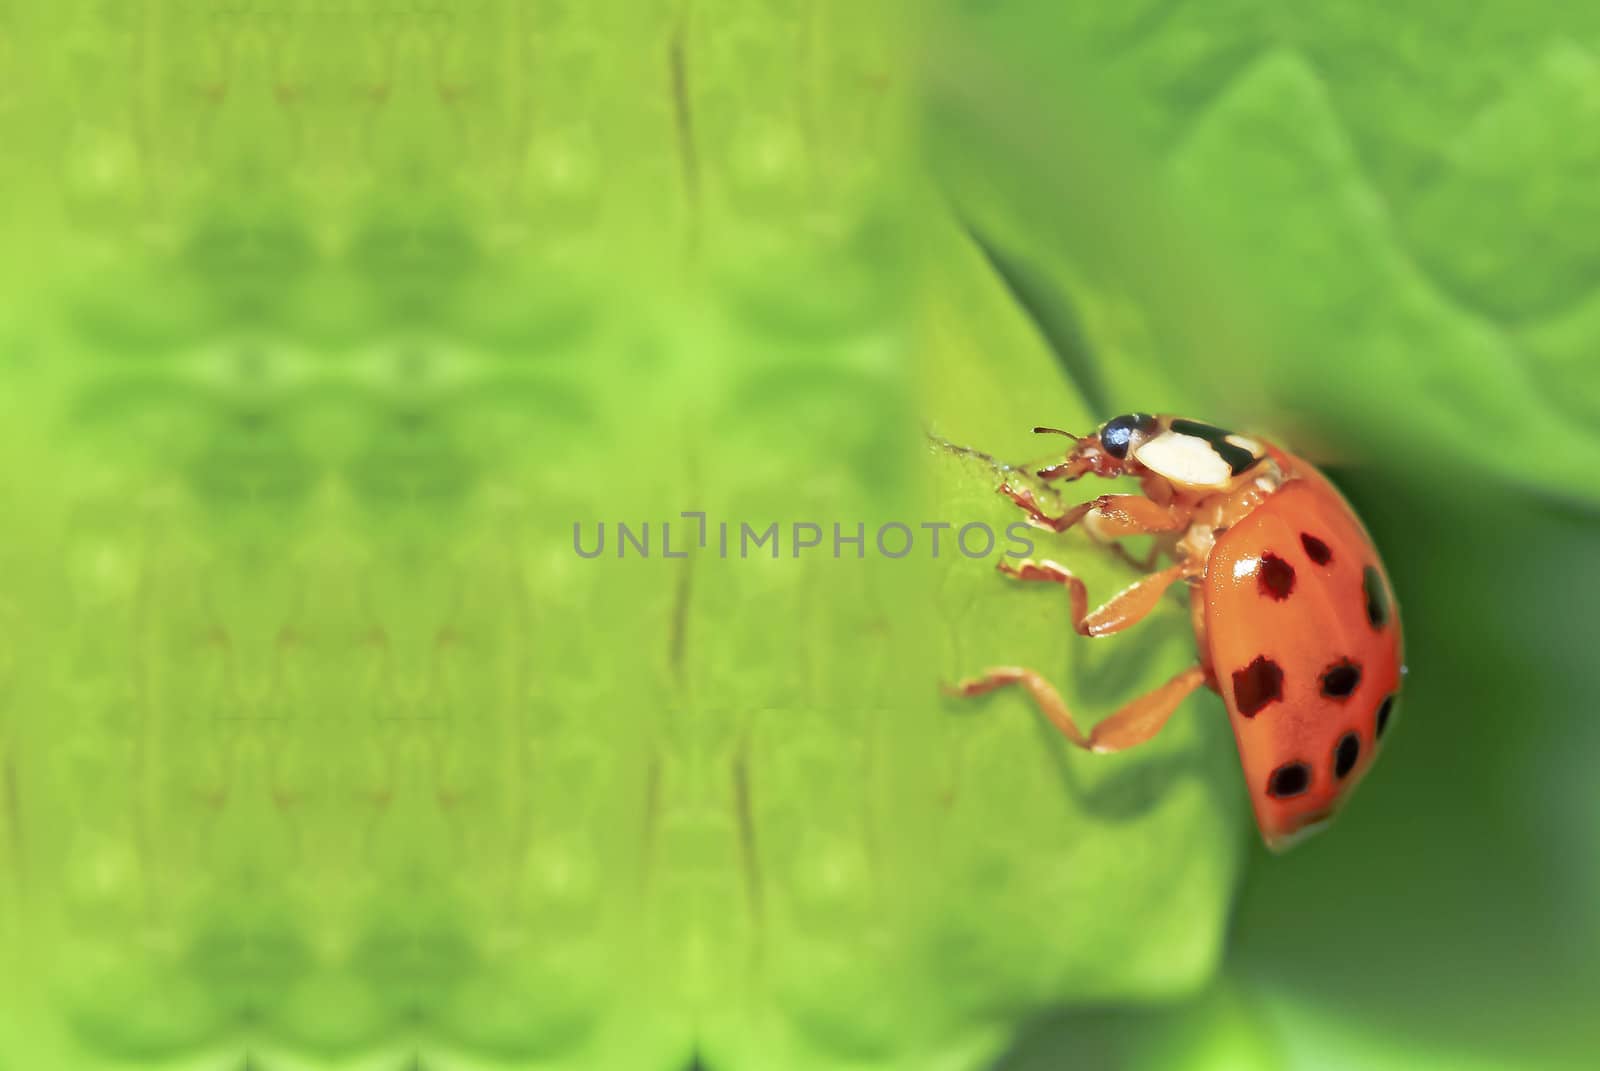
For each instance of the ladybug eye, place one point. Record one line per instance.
(1118, 435)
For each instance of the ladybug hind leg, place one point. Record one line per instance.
(1136, 722)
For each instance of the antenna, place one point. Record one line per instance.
(1055, 431)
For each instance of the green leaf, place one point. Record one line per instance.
(1283, 171)
(1386, 205)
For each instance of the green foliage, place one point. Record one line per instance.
(1356, 230)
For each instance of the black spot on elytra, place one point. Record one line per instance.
(1237, 457)
(1256, 685)
(1275, 576)
(1383, 714)
(1377, 596)
(1289, 780)
(1316, 549)
(1346, 754)
(1340, 679)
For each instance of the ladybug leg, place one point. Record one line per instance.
(1126, 607)
(1143, 565)
(1143, 717)
(1115, 515)
(1037, 517)
(1137, 721)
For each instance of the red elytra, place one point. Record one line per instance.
(1295, 620)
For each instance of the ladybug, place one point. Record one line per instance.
(1294, 618)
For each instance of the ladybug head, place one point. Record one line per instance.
(1122, 436)
(1109, 451)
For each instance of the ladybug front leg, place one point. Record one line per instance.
(1126, 607)
(1137, 721)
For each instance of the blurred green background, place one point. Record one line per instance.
(326, 322)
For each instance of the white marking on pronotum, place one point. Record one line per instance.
(1255, 448)
(1185, 459)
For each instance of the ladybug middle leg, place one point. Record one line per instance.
(1123, 555)
(1127, 607)
(1137, 721)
